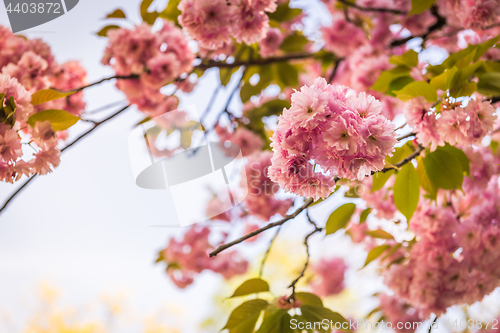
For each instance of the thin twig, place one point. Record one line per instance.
(210, 103)
(267, 227)
(441, 22)
(96, 124)
(254, 62)
(372, 9)
(301, 275)
(266, 255)
(334, 71)
(306, 204)
(119, 77)
(105, 107)
(432, 324)
(18, 190)
(402, 137)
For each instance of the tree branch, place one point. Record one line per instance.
(306, 204)
(96, 124)
(372, 9)
(402, 137)
(301, 275)
(266, 255)
(119, 77)
(255, 62)
(334, 71)
(221, 248)
(441, 22)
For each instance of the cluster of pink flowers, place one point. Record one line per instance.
(214, 22)
(329, 276)
(189, 256)
(457, 125)
(453, 261)
(156, 57)
(343, 133)
(26, 66)
(470, 14)
(261, 201)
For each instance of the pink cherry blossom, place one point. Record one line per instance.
(329, 276)
(269, 44)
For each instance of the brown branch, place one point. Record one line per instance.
(372, 9)
(96, 124)
(402, 137)
(119, 77)
(266, 255)
(255, 62)
(306, 204)
(221, 248)
(301, 275)
(441, 22)
(334, 71)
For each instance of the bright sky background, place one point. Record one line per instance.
(85, 229)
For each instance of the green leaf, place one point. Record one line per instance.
(443, 81)
(417, 88)
(379, 233)
(117, 13)
(245, 316)
(387, 77)
(460, 155)
(171, 12)
(46, 95)
(400, 154)
(425, 181)
(375, 253)
(318, 313)
(489, 84)
(484, 47)
(147, 16)
(286, 74)
(251, 286)
(225, 74)
(364, 215)
(59, 119)
(409, 59)
(275, 321)
(308, 299)
(407, 190)
(247, 91)
(339, 218)
(104, 31)
(464, 89)
(380, 178)
(294, 43)
(444, 169)
(284, 13)
(420, 6)
(398, 84)
(160, 257)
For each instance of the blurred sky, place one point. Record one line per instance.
(86, 228)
